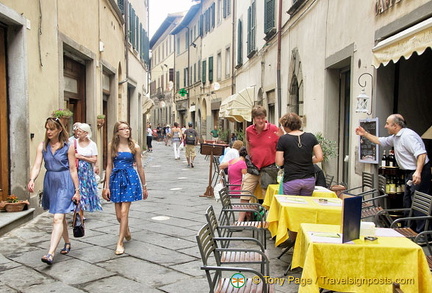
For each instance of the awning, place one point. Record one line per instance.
(414, 39)
(147, 105)
(238, 107)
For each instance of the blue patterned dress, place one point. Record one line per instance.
(125, 185)
(90, 201)
(58, 188)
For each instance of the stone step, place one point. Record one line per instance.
(12, 220)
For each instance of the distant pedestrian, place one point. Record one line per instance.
(60, 186)
(123, 183)
(149, 138)
(215, 133)
(176, 136)
(190, 137)
(87, 156)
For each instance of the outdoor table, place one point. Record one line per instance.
(360, 265)
(273, 189)
(289, 211)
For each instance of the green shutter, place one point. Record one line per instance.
(239, 43)
(204, 71)
(210, 66)
(269, 15)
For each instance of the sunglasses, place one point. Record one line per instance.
(55, 119)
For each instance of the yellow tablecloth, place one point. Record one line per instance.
(273, 189)
(289, 211)
(365, 266)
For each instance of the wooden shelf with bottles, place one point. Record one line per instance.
(395, 183)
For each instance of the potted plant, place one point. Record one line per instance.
(13, 204)
(328, 146)
(62, 113)
(100, 120)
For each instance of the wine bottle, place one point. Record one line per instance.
(391, 159)
(384, 160)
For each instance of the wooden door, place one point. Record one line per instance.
(4, 139)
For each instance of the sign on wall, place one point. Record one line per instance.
(368, 151)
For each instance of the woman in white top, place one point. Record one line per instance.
(86, 153)
(149, 138)
(176, 135)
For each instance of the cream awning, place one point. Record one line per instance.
(414, 39)
(147, 105)
(238, 107)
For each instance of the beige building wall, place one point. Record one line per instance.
(218, 41)
(90, 32)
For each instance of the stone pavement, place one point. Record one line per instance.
(161, 257)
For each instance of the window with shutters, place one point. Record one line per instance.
(177, 81)
(239, 43)
(269, 15)
(120, 4)
(226, 8)
(251, 30)
(219, 66)
(210, 69)
(204, 71)
(227, 62)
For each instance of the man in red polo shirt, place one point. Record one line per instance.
(261, 141)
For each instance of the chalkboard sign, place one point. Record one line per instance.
(368, 152)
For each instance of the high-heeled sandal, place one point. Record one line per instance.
(48, 258)
(66, 248)
(119, 251)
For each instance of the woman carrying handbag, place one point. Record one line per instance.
(60, 186)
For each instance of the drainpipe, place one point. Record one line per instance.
(126, 5)
(234, 51)
(278, 71)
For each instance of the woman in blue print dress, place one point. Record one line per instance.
(124, 185)
(87, 156)
(60, 186)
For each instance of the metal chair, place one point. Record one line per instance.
(423, 238)
(224, 238)
(368, 184)
(227, 216)
(214, 273)
(420, 210)
(329, 180)
(371, 199)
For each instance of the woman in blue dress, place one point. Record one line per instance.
(125, 184)
(60, 186)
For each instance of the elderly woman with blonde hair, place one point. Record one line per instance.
(86, 153)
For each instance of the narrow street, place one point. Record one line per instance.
(161, 257)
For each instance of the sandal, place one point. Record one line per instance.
(66, 248)
(48, 259)
(120, 251)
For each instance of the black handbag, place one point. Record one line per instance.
(77, 223)
(251, 168)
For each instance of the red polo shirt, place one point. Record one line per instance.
(262, 146)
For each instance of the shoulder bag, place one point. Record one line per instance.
(77, 223)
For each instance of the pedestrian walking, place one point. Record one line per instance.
(86, 153)
(176, 139)
(190, 138)
(60, 186)
(149, 138)
(124, 184)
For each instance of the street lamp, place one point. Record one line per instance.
(363, 98)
